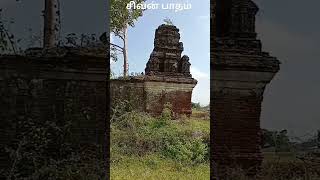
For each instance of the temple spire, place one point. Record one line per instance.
(165, 58)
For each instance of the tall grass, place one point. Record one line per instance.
(282, 166)
(145, 147)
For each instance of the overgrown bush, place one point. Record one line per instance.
(44, 150)
(195, 105)
(189, 151)
(138, 134)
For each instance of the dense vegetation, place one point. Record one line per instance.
(285, 159)
(282, 166)
(43, 150)
(144, 147)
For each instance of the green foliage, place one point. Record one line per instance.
(277, 139)
(156, 167)
(195, 105)
(44, 149)
(166, 114)
(191, 151)
(145, 147)
(280, 166)
(138, 134)
(121, 17)
(43, 152)
(114, 53)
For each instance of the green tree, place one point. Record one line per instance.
(277, 139)
(268, 138)
(195, 105)
(121, 18)
(282, 141)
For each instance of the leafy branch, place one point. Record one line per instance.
(6, 38)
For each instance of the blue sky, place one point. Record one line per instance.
(194, 25)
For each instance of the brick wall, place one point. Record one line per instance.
(150, 93)
(236, 130)
(56, 89)
(131, 90)
(237, 87)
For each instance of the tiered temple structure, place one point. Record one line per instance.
(167, 77)
(240, 72)
(165, 58)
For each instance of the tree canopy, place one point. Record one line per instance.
(121, 17)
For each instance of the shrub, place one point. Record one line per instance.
(167, 112)
(42, 151)
(138, 134)
(187, 152)
(195, 105)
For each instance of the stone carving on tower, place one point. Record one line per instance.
(165, 59)
(234, 25)
(243, 19)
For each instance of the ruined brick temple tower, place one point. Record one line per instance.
(165, 59)
(240, 72)
(167, 77)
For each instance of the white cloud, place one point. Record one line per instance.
(196, 73)
(201, 92)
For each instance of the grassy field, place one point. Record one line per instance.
(150, 148)
(154, 167)
(286, 165)
(282, 166)
(147, 148)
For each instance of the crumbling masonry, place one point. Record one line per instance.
(167, 77)
(240, 72)
(64, 85)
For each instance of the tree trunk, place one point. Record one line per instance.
(125, 52)
(50, 24)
